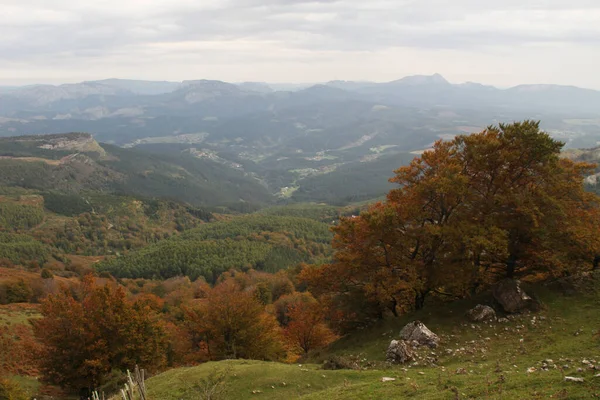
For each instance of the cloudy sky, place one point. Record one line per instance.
(502, 42)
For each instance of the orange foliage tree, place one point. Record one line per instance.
(99, 330)
(233, 324)
(500, 203)
(306, 329)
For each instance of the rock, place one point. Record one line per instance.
(386, 379)
(417, 331)
(481, 313)
(511, 297)
(339, 362)
(399, 352)
(573, 379)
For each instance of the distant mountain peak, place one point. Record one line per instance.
(260, 87)
(207, 83)
(435, 79)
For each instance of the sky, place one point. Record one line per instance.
(502, 42)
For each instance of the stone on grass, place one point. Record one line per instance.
(387, 379)
(417, 331)
(509, 294)
(573, 379)
(399, 352)
(481, 313)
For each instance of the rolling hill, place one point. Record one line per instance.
(73, 163)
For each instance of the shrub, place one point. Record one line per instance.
(47, 274)
(9, 390)
(15, 292)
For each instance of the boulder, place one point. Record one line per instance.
(399, 352)
(417, 331)
(481, 313)
(511, 297)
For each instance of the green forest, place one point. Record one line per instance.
(22, 249)
(261, 242)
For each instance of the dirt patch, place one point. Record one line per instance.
(32, 159)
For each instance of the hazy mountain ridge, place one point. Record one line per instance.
(39, 95)
(289, 138)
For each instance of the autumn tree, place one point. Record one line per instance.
(234, 324)
(281, 308)
(88, 335)
(307, 329)
(500, 203)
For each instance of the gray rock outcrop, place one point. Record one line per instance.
(509, 294)
(399, 352)
(481, 313)
(416, 331)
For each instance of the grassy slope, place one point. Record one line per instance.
(21, 313)
(493, 356)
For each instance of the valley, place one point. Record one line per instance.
(247, 242)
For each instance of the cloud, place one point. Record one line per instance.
(194, 36)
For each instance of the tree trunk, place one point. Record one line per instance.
(420, 300)
(511, 265)
(596, 263)
(392, 307)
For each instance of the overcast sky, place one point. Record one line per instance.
(501, 42)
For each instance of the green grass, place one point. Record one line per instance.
(29, 384)
(273, 380)
(13, 316)
(493, 359)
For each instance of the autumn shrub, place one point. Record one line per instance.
(46, 274)
(19, 350)
(41, 288)
(9, 390)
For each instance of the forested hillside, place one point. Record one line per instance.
(72, 163)
(46, 228)
(353, 182)
(265, 243)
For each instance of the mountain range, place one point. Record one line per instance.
(433, 90)
(297, 142)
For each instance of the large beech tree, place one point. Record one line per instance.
(98, 330)
(500, 203)
(232, 323)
